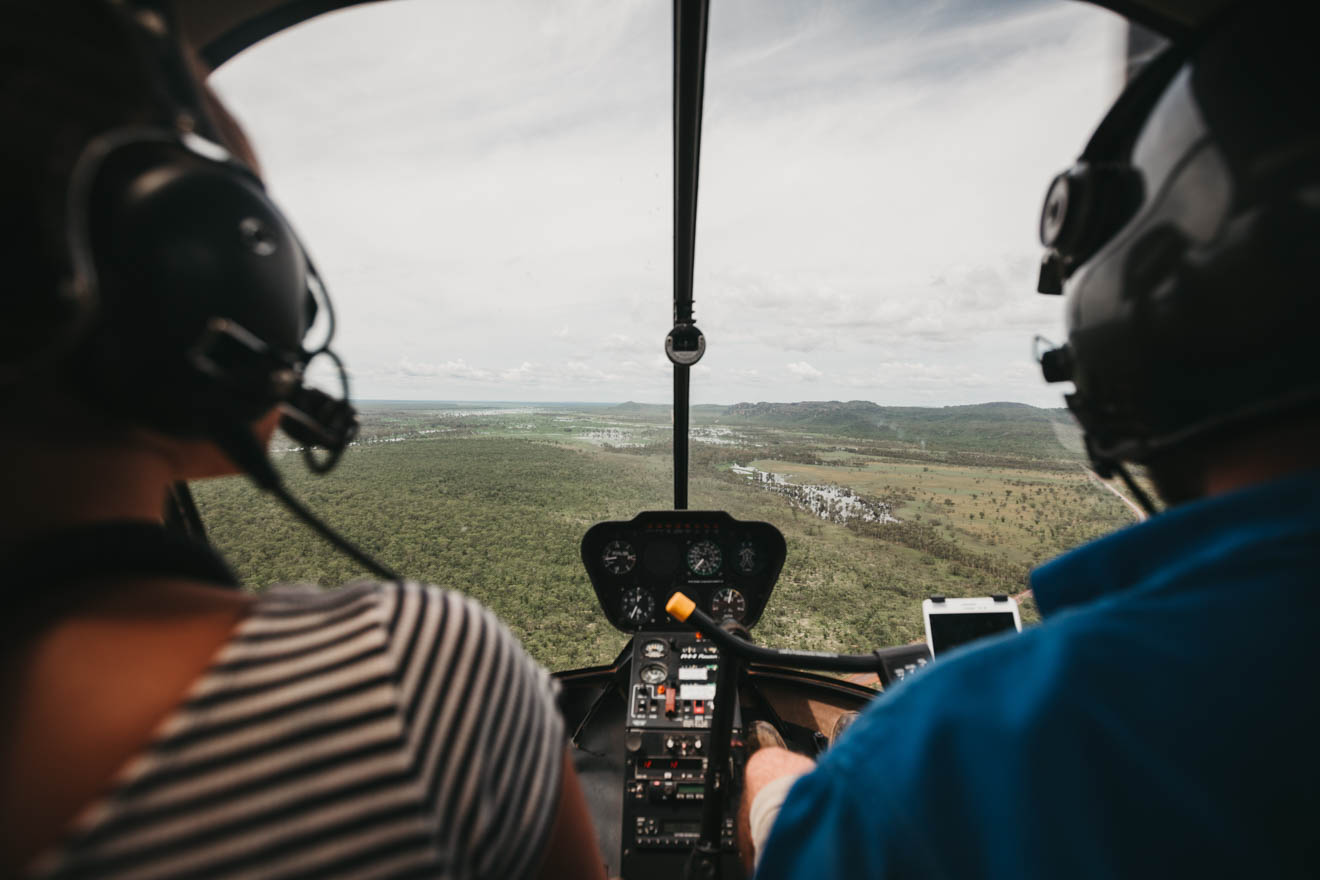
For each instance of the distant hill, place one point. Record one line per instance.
(1000, 428)
(1011, 429)
(633, 408)
(663, 411)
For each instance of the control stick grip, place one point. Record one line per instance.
(680, 607)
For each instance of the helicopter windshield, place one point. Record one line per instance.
(487, 190)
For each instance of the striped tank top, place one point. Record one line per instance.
(374, 731)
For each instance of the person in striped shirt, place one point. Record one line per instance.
(160, 725)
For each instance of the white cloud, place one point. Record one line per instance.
(620, 343)
(805, 371)
(524, 372)
(486, 188)
(459, 369)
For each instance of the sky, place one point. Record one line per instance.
(486, 188)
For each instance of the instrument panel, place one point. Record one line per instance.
(667, 735)
(727, 566)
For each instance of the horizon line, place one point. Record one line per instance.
(669, 404)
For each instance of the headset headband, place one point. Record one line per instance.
(153, 26)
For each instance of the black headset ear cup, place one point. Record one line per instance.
(180, 241)
(1085, 206)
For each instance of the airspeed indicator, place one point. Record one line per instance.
(619, 557)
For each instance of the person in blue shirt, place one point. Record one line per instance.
(1162, 720)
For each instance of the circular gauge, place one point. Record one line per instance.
(653, 674)
(636, 606)
(728, 602)
(749, 558)
(655, 649)
(704, 558)
(619, 557)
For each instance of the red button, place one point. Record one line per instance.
(700, 709)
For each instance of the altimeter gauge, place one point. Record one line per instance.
(619, 557)
(728, 602)
(704, 558)
(636, 606)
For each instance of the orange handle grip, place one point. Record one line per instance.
(680, 607)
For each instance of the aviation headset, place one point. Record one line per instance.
(1187, 241)
(189, 295)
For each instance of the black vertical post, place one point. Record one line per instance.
(682, 374)
(690, 26)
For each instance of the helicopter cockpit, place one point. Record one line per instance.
(657, 733)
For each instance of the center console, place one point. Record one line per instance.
(671, 701)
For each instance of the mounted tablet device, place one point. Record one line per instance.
(954, 622)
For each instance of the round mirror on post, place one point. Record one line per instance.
(685, 345)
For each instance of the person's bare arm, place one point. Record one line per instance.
(571, 850)
(763, 768)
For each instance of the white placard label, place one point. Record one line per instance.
(693, 673)
(696, 692)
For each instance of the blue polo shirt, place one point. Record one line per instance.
(1164, 721)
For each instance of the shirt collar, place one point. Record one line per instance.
(1267, 511)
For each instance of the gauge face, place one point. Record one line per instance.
(655, 649)
(749, 558)
(653, 674)
(636, 606)
(728, 602)
(619, 557)
(704, 558)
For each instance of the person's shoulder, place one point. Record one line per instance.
(415, 612)
(416, 628)
(295, 598)
(407, 625)
(394, 605)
